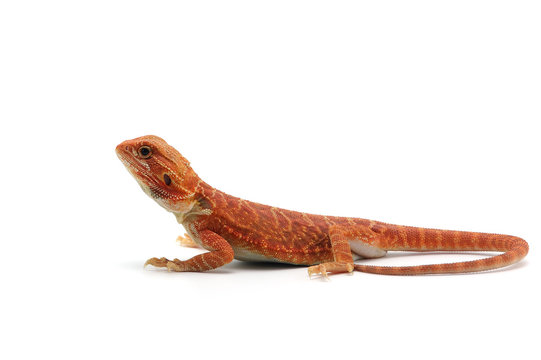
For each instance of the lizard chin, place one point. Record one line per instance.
(166, 200)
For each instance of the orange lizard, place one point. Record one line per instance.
(230, 227)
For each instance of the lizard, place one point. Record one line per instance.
(234, 228)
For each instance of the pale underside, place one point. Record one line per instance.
(359, 250)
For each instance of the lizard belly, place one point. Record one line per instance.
(240, 253)
(365, 250)
(359, 249)
(247, 255)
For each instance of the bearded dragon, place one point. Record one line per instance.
(233, 228)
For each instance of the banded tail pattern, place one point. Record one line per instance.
(405, 238)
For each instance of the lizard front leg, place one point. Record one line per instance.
(220, 253)
(343, 260)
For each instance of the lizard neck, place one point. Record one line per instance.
(197, 207)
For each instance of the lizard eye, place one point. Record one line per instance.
(166, 179)
(144, 152)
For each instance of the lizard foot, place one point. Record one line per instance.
(175, 265)
(171, 265)
(333, 267)
(162, 262)
(186, 241)
(318, 269)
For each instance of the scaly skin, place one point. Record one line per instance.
(230, 227)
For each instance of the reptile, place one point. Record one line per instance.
(234, 228)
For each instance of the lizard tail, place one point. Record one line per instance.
(402, 238)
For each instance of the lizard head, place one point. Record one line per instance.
(160, 170)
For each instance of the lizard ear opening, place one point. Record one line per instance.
(166, 179)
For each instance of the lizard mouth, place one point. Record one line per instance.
(137, 170)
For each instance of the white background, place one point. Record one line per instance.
(411, 112)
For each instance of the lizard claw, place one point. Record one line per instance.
(156, 262)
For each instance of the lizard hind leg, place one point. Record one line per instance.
(343, 259)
